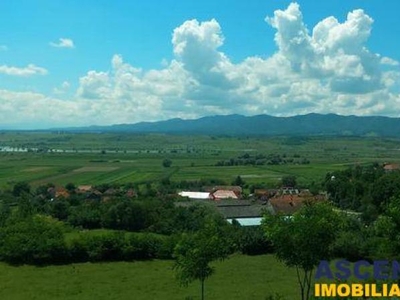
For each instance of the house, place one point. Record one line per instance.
(255, 221)
(224, 194)
(110, 193)
(195, 195)
(130, 193)
(264, 194)
(289, 204)
(81, 189)
(94, 195)
(89, 192)
(290, 191)
(236, 209)
(391, 167)
(286, 204)
(233, 188)
(58, 192)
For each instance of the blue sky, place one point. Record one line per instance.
(74, 63)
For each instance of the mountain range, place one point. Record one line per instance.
(263, 125)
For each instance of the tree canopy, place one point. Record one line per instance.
(196, 251)
(303, 240)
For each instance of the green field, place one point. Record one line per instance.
(122, 158)
(240, 277)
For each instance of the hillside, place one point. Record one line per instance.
(263, 125)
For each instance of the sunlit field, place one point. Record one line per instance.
(115, 158)
(240, 277)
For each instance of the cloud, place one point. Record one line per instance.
(390, 62)
(33, 110)
(324, 69)
(63, 88)
(63, 43)
(335, 51)
(29, 70)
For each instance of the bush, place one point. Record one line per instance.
(107, 247)
(148, 246)
(118, 246)
(40, 240)
(349, 245)
(252, 241)
(37, 240)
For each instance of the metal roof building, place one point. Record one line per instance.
(195, 195)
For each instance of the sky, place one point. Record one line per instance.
(101, 62)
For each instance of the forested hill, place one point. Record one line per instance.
(310, 124)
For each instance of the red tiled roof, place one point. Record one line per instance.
(224, 194)
(391, 167)
(287, 203)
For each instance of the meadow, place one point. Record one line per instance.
(97, 158)
(240, 277)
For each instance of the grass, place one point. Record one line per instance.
(240, 277)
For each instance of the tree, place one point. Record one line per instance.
(70, 187)
(167, 163)
(36, 240)
(289, 181)
(196, 251)
(21, 188)
(303, 240)
(5, 213)
(238, 181)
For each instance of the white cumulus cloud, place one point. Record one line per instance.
(63, 43)
(29, 70)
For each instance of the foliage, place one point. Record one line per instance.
(196, 251)
(303, 240)
(350, 240)
(38, 240)
(289, 181)
(21, 188)
(167, 163)
(252, 241)
(5, 213)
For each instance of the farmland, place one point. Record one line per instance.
(60, 158)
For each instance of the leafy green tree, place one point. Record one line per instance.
(167, 163)
(36, 240)
(126, 215)
(303, 240)
(25, 207)
(238, 181)
(59, 209)
(21, 188)
(5, 213)
(196, 251)
(289, 181)
(252, 241)
(70, 187)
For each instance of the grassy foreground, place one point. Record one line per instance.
(240, 277)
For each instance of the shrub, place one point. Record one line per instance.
(148, 246)
(106, 247)
(37, 240)
(252, 241)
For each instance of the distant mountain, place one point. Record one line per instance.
(263, 125)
